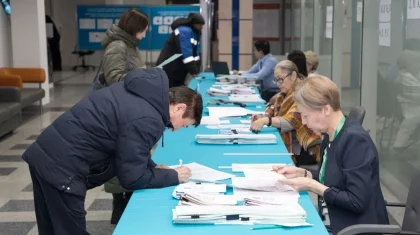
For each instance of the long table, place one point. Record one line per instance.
(150, 211)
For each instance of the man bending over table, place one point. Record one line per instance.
(109, 133)
(264, 70)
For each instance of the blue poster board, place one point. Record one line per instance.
(162, 18)
(94, 21)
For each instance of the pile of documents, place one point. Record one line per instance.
(237, 139)
(230, 112)
(199, 188)
(286, 214)
(275, 199)
(253, 98)
(201, 199)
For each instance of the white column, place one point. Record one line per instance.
(302, 25)
(205, 34)
(318, 20)
(369, 64)
(337, 54)
(29, 40)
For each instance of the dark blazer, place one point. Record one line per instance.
(109, 133)
(354, 195)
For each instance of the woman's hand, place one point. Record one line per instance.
(299, 183)
(305, 184)
(290, 172)
(258, 124)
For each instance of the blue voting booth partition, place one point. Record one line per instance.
(94, 21)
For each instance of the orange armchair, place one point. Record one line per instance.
(18, 76)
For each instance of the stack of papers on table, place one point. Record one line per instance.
(253, 98)
(200, 173)
(201, 188)
(271, 199)
(200, 199)
(235, 131)
(286, 214)
(230, 112)
(218, 92)
(230, 126)
(237, 139)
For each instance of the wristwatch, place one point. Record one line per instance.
(269, 121)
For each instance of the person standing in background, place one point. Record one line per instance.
(183, 40)
(120, 45)
(121, 56)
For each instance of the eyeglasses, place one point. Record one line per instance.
(279, 79)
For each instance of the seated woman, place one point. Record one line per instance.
(348, 176)
(311, 62)
(299, 58)
(282, 113)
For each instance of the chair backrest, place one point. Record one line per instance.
(357, 113)
(411, 221)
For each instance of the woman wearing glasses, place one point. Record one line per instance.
(282, 114)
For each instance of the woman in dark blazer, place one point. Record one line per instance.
(348, 175)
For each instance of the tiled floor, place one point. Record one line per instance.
(16, 199)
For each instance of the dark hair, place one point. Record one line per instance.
(133, 21)
(193, 100)
(412, 44)
(262, 45)
(298, 57)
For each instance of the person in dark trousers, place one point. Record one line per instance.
(184, 39)
(108, 133)
(347, 179)
(121, 56)
(264, 70)
(54, 43)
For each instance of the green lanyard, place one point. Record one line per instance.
(324, 162)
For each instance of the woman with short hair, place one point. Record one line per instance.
(347, 179)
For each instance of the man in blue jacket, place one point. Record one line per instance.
(264, 70)
(109, 133)
(183, 40)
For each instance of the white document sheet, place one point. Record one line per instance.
(200, 199)
(271, 199)
(237, 139)
(208, 120)
(202, 188)
(227, 111)
(237, 167)
(245, 121)
(246, 98)
(169, 60)
(231, 126)
(204, 173)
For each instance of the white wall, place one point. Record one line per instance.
(5, 41)
(64, 16)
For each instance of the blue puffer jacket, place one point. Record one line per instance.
(109, 133)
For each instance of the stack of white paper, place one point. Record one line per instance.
(218, 92)
(236, 167)
(210, 120)
(229, 126)
(237, 139)
(271, 199)
(201, 188)
(273, 214)
(199, 199)
(200, 173)
(231, 112)
(253, 98)
(260, 184)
